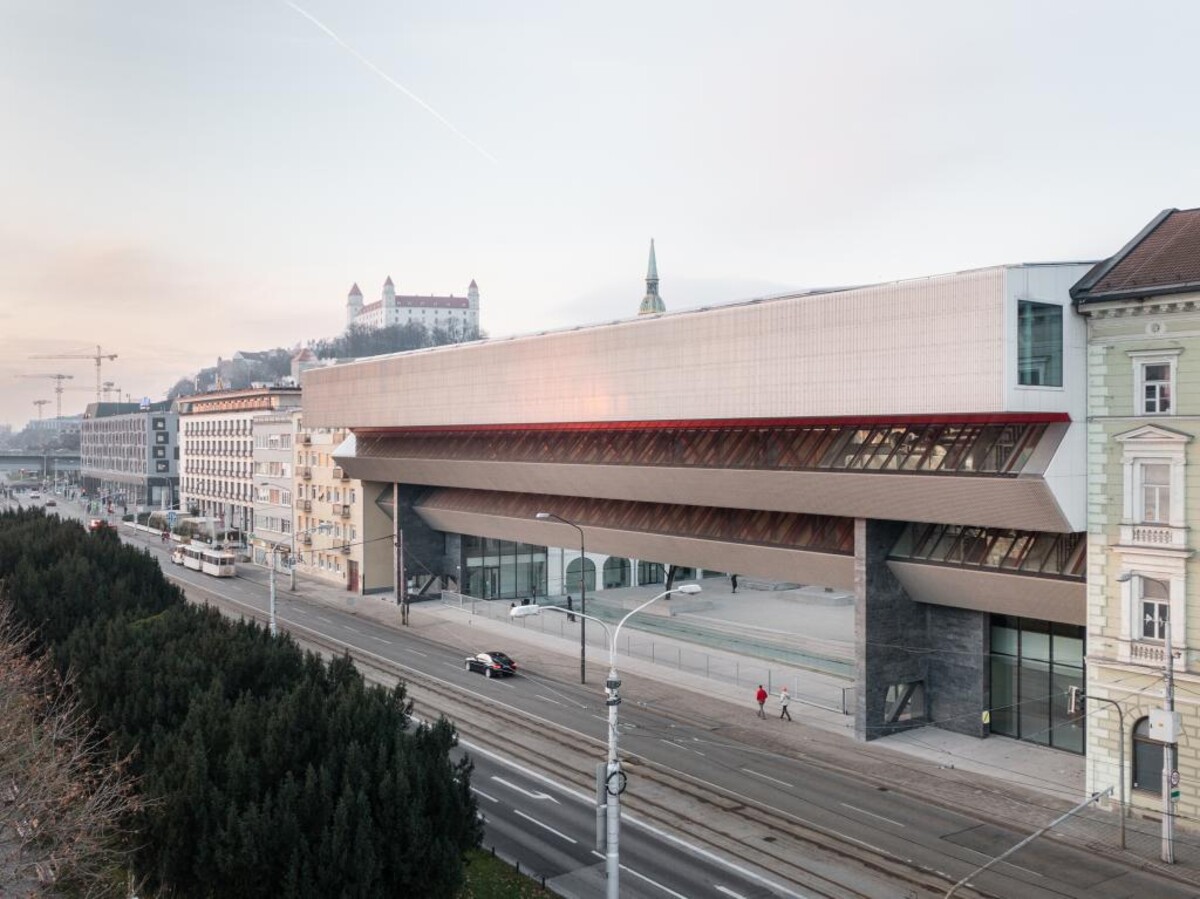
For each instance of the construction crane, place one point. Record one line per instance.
(58, 388)
(39, 404)
(98, 357)
(111, 387)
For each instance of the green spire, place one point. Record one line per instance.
(652, 302)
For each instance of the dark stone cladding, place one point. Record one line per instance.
(901, 641)
(424, 548)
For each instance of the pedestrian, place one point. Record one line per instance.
(784, 699)
(733, 578)
(761, 698)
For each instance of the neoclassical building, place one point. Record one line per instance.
(448, 313)
(1142, 308)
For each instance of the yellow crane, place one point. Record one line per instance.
(98, 357)
(58, 388)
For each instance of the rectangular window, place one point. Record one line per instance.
(1155, 603)
(1039, 344)
(1156, 388)
(1156, 493)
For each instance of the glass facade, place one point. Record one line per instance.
(1039, 344)
(503, 569)
(999, 549)
(1033, 666)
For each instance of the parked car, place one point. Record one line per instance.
(51, 502)
(35, 496)
(98, 524)
(492, 664)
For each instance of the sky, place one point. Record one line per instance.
(182, 180)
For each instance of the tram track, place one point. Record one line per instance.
(709, 815)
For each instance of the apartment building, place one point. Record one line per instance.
(328, 507)
(130, 453)
(274, 470)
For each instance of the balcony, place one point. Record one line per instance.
(339, 473)
(1155, 535)
(306, 539)
(1146, 653)
(305, 505)
(345, 549)
(342, 511)
(306, 439)
(306, 473)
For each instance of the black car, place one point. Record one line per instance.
(492, 664)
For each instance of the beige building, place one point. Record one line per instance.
(328, 511)
(1142, 308)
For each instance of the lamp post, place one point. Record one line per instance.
(546, 516)
(319, 529)
(614, 778)
(1168, 770)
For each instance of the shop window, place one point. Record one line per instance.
(616, 572)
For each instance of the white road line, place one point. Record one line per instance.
(484, 795)
(729, 892)
(666, 890)
(679, 746)
(1010, 864)
(557, 833)
(381, 640)
(421, 654)
(863, 811)
(323, 618)
(523, 791)
(782, 783)
(547, 698)
(353, 630)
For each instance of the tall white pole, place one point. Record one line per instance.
(272, 612)
(1168, 811)
(614, 784)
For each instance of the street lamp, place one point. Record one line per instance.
(1170, 722)
(319, 529)
(614, 779)
(546, 516)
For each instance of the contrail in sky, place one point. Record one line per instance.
(392, 81)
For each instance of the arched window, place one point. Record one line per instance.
(616, 572)
(1147, 759)
(589, 569)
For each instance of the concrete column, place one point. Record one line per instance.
(959, 673)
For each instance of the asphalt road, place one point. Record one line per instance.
(861, 814)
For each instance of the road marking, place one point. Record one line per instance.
(782, 783)
(421, 654)
(1010, 864)
(667, 890)
(863, 811)
(729, 892)
(557, 833)
(679, 746)
(323, 618)
(513, 786)
(484, 795)
(548, 699)
(381, 640)
(353, 630)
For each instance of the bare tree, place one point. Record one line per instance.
(65, 804)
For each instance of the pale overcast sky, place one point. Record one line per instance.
(180, 180)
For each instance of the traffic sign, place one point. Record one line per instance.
(1174, 794)
(1174, 778)
(171, 519)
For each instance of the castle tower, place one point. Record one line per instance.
(652, 302)
(389, 294)
(473, 297)
(354, 305)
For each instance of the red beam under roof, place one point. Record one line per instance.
(729, 424)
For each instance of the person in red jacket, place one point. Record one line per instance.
(761, 698)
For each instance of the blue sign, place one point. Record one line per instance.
(171, 519)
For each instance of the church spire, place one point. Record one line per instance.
(652, 302)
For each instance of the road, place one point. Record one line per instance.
(555, 837)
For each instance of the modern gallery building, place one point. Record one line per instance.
(921, 443)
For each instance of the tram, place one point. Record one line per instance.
(205, 559)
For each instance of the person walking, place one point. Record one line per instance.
(733, 580)
(761, 698)
(784, 699)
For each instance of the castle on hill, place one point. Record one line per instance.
(431, 311)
